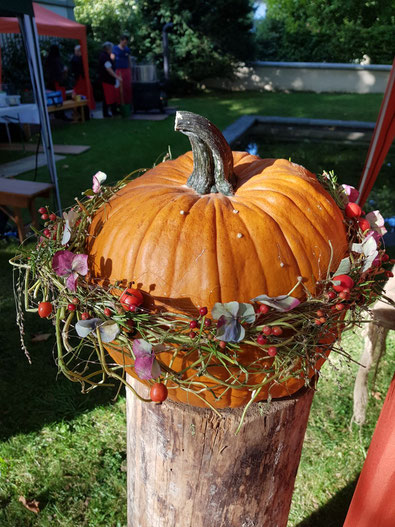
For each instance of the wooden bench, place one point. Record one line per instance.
(17, 194)
(79, 106)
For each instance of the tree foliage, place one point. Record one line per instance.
(336, 31)
(206, 39)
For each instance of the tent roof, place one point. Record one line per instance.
(48, 23)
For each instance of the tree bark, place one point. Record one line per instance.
(187, 468)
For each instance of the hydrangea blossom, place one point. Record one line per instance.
(145, 365)
(229, 316)
(108, 330)
(376, 221)
(70, 219)
(350, 194)
(70, 265)
(98, 179)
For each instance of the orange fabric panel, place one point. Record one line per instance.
(373, 503)
(382, 138)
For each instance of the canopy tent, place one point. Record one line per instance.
(52, 25)
(27, 26)
(383, 135)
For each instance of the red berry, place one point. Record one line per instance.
(85, 315)
(42, 210)
(385, 257)
(331, 295)
(261, 340)
(52, 216)
(131, 297)
(203, 311)
(192, 335)
(47, 233)
(267, 330)
(107, 312)
(317, 322)
(390, 274)
(207, 322)
(276, 330)
(322, 320)
(158, 392)
(340, 307)
(75, 301)
(222, 344)
(263, 308)
(364, 225)
(193, 324)
(353, 210)
(71, 307)
(343, 295)
(44, 216)
(272, 351)
(345, 282)
(320, 313)
(45, 309)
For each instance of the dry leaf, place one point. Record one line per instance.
(31, 505)
(41, 337)
(377, 395)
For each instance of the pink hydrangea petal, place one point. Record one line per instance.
(351, 192)
(98, 179)
(71, 281)
(62, 262)
(141, 347)
(80, 264)
(143, 366)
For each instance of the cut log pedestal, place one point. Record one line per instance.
(375, 335)
(187, 468)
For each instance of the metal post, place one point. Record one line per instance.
(28, 28)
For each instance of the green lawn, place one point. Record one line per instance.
(68, 450)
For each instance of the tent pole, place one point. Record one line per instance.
(28, 28)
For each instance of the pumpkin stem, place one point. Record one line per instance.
(212, 156)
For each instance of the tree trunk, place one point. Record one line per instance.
(187, 468)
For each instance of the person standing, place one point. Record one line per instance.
(77, 72)
(109, 79)
(55, 71)
(123, 67)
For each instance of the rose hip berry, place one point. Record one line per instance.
(267, 330)
(340, 307)
(52, 216)
(71, 307)
(207, 322)
(331, 295)
(261, 340)
(353, 210)
(346, 282)
(44, 216)
(47, 233)
(203, 311)
(193, 324)
(263, 308)
(222, 344)
(85, 315)
(192, 335)
(276, 330)
(42, 210)
(272, 351)
(107, 312)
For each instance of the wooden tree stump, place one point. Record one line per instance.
(187, 468)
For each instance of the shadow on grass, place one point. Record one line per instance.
(35, 394)
(334, 512)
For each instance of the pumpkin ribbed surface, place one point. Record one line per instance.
(189, 250)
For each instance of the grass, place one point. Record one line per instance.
(67, 450)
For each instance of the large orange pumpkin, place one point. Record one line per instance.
(217, 226)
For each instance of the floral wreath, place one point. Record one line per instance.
(54, 281)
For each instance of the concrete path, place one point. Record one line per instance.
(14, 168)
